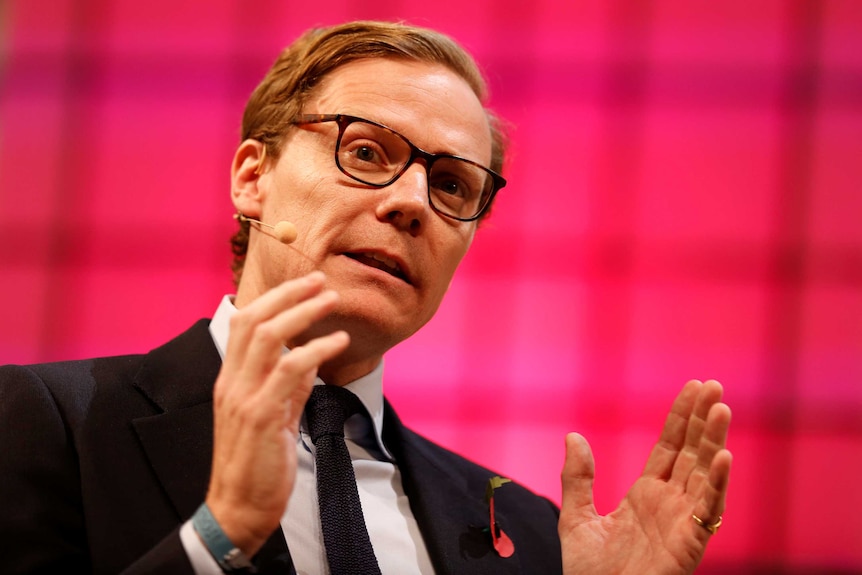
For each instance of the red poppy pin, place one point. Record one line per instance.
(502, 543)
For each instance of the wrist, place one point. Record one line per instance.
(228, 555)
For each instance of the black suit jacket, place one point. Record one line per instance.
(102, 460)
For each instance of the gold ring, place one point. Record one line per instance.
(711, 527)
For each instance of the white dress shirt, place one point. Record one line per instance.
(393, 531)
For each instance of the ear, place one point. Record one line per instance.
(249, 163)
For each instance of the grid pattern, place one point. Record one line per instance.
(684, 202)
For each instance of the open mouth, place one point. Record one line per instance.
(380, 262)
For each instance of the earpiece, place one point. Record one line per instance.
(284, 231)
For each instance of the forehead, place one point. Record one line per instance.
(428, 103)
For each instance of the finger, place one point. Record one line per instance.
(661, 460)
(711, 505)
(713, 439)
(293, 376)
(709, 394)
(577, 479)
(265, 307)
(267, 343)
(296, 390)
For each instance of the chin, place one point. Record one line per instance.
(374, 332)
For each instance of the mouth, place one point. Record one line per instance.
(382, 263)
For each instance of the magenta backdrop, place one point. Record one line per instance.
(684, 203)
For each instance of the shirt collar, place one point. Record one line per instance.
(369, 388)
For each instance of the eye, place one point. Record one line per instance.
(451, 186)
(456, 180)
(365, 154)
(451, 194)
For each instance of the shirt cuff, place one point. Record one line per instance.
(199, 556)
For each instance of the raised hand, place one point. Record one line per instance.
(654, 529)
(259, 398)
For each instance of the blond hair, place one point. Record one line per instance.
(300, 68)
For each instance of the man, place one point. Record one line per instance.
(373, 141)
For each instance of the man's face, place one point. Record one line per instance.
(355, 233)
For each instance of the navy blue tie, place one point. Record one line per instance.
(345, 537)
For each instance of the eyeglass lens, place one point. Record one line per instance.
(377, 156)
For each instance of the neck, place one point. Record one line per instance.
(358, 360)
(340, 375)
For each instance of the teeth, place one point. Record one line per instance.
(392, 264)
(380, 262)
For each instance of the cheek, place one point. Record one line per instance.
(449, 259)
(332, 205)
(462, 244)
(306, 203)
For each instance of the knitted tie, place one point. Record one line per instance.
(348, 548)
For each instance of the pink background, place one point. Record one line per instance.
(684, 203)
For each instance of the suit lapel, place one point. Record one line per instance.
(178, 378)
(448, 506)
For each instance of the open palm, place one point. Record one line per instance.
(652, 530)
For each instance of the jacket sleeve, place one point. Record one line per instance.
(168, 556)
(43, 527)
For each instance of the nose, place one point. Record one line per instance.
(405, 201)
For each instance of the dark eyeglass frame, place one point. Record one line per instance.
(416, 153)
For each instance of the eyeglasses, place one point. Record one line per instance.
(375, 155)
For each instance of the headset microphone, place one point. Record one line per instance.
(284, 231)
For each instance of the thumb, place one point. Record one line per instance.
(578, 473)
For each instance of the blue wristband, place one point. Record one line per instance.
(229, 557)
